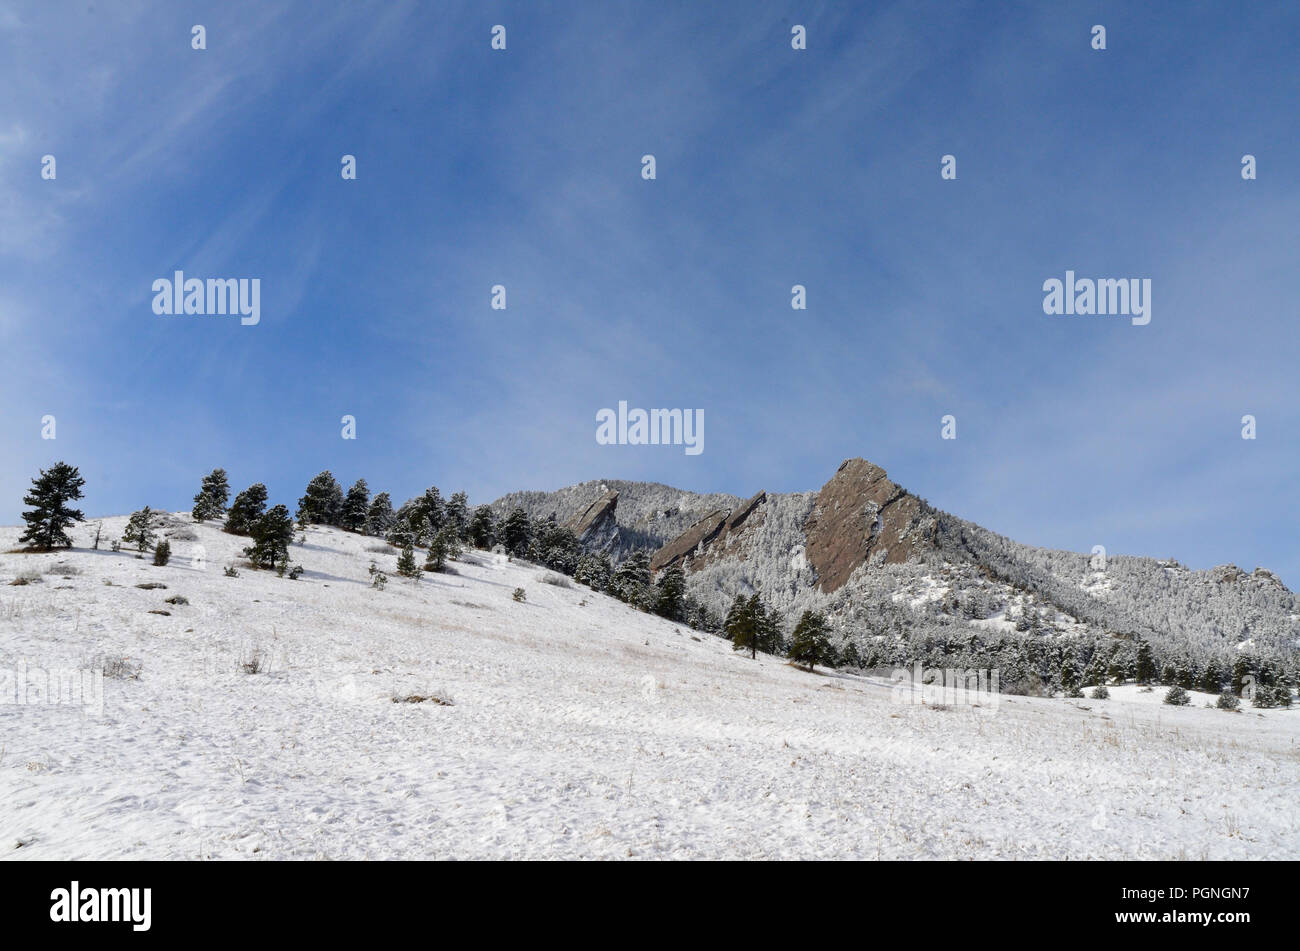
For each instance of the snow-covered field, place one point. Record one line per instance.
(576, 728)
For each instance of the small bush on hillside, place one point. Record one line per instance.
(115, 668)
(1228, 701)
(162, 553)
(1177, 697)
(1100, 692)
(1030, 686)
(232, 571)
(558, 581)
(520, 594)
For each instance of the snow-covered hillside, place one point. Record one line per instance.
(566, 725)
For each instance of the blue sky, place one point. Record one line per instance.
(775, 167)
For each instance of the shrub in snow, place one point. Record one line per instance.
(115, 668)
(377, 578)
(558, 581)
(1030, 685)
(1177, 697)
(1100, 692)
(520, 594)
(163, 553)
(1228, 701)
(231, 571)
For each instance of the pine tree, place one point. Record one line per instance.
(1177, 696)
(402, 533)
(631, 579)
(516, 532)
(213, 495)
(49, 518)
(140, 529)
(1212, 679)
(356, 505)
(852, 657)
(443, 546)
(272, 534)
(1070, 680)
(768, 624)
(735, 617)
(430, 506)
(380, 517)
(1241, 670)
(556, 547)
(810, 642)
(482, 528)
(247, 508)
(1118, 669)
(742, 624)
(406, 566)
(1146, 664)
(594, 571)
(322, 503)
(670, 591)
(458, 515)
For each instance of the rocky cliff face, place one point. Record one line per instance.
(860, 517)
(877, 558)
(710, 535)
(597, 525)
